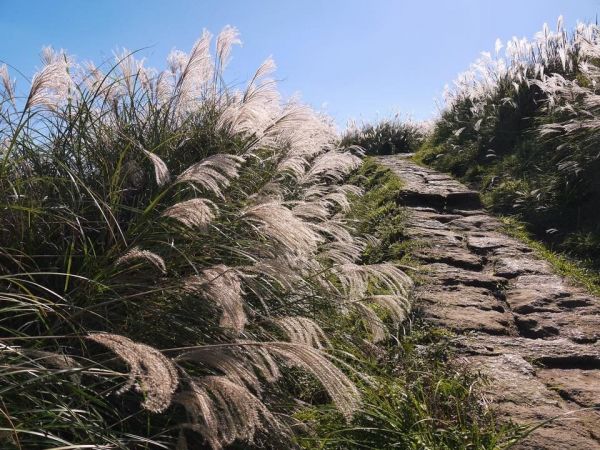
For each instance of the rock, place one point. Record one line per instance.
(511, 267)
(579, 386)
(449, 275)
(451, 255)
(459, 296)
(516, 391)
(465, 319)
(560, 352)
(476, 222)
(483, 243)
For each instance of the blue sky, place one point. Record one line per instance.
(359, 59)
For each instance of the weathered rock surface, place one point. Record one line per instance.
(534, 335)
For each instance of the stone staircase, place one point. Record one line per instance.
(533, 334)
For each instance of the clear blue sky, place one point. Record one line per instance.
(357, 58)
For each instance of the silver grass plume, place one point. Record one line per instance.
(8, 85)
(194, 213)
(303, 330)
(51, 85)
(221, 285)
(284, 269)
(253, 111)
(340, 388)
(227, 38)
(150, 372)
(233, 366)
(332, 166)
(275, 221)
(144, 255)
(239, 364)
(398, 306)
(193, 71)
(342, 391)
(161, 171)
(333, 195)
(223, 411)
(355, 279)
(48, 360)
(372, 322)
(212, 173)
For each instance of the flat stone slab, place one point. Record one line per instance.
(533, 335)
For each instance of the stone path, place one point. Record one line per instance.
(534, 334)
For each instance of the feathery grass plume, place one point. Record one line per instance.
(331, 166)
(398, 306)
(251, 112)
(234, 366)
(343, 252)
(303, 330)
(315, 210)
(51, 85)
(57, 360)
(130, 69)
(145, 255)
(342, 391)
(372, 322)
(194, 213)
(221, 285)
(150, 372)
(227, 38)
(333, 195)
(284, 269)
(8, 85)
(355, 279)
(223, 411)
(263, 362)
(212, 173)
(277, 222)
(161, 171)
(193, 71)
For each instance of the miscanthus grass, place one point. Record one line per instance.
(522, 125)
(168, 247)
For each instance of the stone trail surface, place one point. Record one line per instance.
(535, 335)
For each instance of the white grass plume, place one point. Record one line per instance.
(221, 285)
(342, 391)
(303, 330)
(223, 411)
(8, 85)
(144, 255)
(212, 173)
(277, 222)
(372, 322)
(161, 171)
(51, 85)
(194, 213)
(150, 372)
(227, 38)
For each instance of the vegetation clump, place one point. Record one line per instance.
(170, 248)
(522, 127)
(387, 137)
